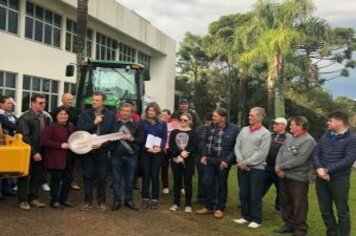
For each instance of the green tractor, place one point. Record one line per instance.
(119, 80)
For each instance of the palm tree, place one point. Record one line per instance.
(79, 43)
(273, 35)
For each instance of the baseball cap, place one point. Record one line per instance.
(281, 120)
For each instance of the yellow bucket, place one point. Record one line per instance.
(14, 156)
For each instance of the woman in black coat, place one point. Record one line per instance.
(58, 159)
(183, 144)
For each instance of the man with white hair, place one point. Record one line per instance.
(251, 150)
(278, 138)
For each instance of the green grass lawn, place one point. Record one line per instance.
(271, 218)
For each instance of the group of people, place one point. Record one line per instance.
(289, 160)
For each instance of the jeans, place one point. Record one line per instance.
(200, 169)
(29, 186)
(151, 164)
(165, 170)
(180, 174)
(294, 204)
(337, 192)
(94, 166)
(271, 178)
(123, 167)
(60, 192)
(251, 185)
(211, 173)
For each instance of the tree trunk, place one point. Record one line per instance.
(279, 103)
(242, 101)
(270, 96)
(82, 21)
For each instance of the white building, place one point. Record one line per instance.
(36, 44)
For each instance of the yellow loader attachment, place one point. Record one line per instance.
(14, 155)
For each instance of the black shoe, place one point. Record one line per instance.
(116, 206)
(56, 205)
(131, 205)
(10, 193)
(2, 198)
(283, 230)
(67, 204)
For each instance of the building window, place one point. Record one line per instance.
(105, 47)
(35, 85)
(71, 34)
(42, 25)
(144, 59)
(69, 88)
(127, 53)
(7, 84)
(9, 15)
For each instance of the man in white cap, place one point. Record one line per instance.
(278, 138)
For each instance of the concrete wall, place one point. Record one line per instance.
(24, 56)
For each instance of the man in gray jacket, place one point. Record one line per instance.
(293, 165)
(251, 150)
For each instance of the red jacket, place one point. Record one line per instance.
(51, 140)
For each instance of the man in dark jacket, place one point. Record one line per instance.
(8, 123)
(333, 159)
(96, 120)
(278, 138)
(124, 156)
(217, 157)
(201, 132)
(184, 108)
(30, 125)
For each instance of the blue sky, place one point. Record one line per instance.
(175, 17)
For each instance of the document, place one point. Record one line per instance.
(152, 141)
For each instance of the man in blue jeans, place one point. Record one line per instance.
(124, 156)
(217, 158)
(251, 150)
(333, 159)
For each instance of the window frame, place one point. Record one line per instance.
(9, 8)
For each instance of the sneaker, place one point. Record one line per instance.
(165, 191)
(45, 187)
(188, 209)
(241, 221)
(174, 208)
(24, 206)
(86, 206)
(253, 225)
(36, 203)
(182, 191)
(74, 186)
(56, 205)
(102, 207)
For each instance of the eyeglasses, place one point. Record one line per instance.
(184, 120)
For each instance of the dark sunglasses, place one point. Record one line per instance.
(184, 120)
